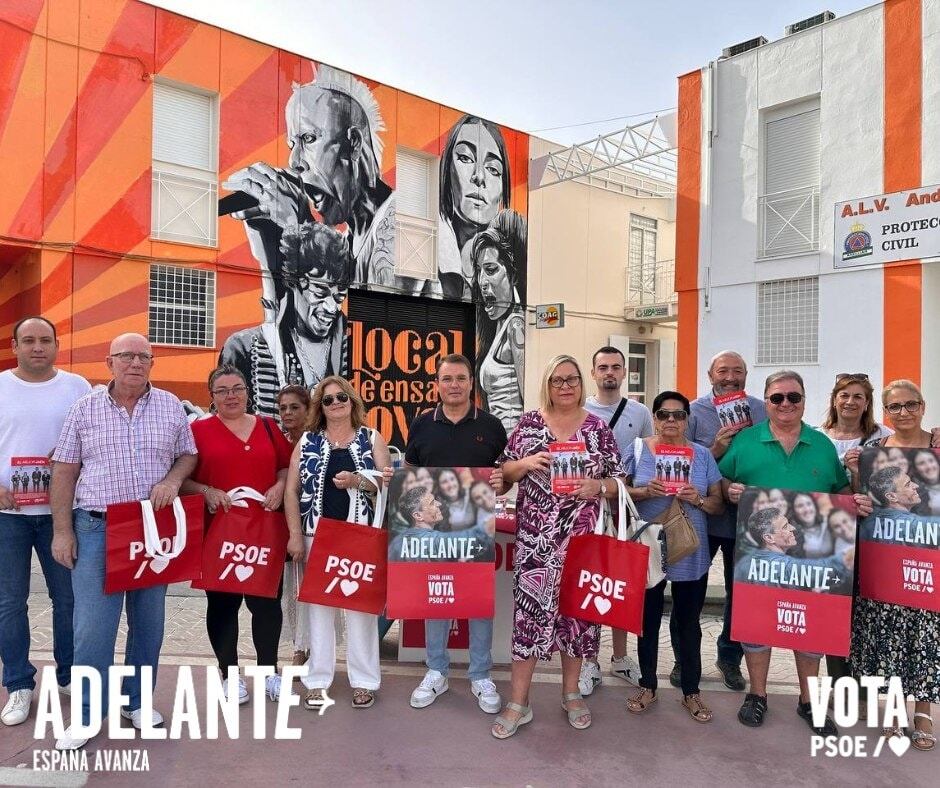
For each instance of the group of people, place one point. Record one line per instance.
(129, 440)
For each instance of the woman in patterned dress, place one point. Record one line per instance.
(896, 640)
(545, 522)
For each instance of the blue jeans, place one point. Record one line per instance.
(20, 534)
(436, 631)
(97, 616)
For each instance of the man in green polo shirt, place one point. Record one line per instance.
(782, 452)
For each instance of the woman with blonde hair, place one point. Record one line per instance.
(333, 474)
(545, 521)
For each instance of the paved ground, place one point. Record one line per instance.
(449, 743)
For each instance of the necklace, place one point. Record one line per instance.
(342, 443)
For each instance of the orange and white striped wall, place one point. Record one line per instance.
(879, 132)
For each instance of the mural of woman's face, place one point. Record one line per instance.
(927, 467)
(779, 500)
(805, 509)
(477, 174)
(449, 486)
(495, 285)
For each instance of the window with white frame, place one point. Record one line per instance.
(788, 321)
(789, 205)
(182, 306)
(185, 165)
(415, 214)
(641, 260)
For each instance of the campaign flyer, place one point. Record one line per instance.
(673, 466)
(733, 409)
(793, 571)
(442, 546)
(899, 552)
(569, 462)
(29, 480)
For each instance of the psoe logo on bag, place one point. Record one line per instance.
(601, 589)
(156, 564)
(846, 695)
(441, 589)
(213, 713)
(791, 617)
(244, 559)
(348, 574)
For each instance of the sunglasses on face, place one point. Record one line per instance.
(676, 415)
(911, 406)
(329, 399)
(793, 397)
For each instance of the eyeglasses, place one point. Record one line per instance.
(127, 357)
(853, 375)
(557, 382)
(237, 390)
(793, 397)
(911, 406)
(329, 399)
(676, 415)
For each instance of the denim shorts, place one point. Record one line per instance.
(753, 648)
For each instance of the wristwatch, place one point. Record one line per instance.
(700, 503)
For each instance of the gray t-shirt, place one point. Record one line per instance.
(635, 421)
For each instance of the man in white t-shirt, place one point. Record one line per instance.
(36, 398)
(629, 420)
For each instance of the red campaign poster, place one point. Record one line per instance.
(29, 480)
(568, 463)
(899, 551)
(733, 409)
(793, 571)
(673, 466)
(442, 547)
(412, 634)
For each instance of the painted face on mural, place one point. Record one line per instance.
(323, 148)
(477, 169)
(318, 304)
(494, 284)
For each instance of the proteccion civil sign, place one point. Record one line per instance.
(887, 228)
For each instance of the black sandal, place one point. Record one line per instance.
(752, 711)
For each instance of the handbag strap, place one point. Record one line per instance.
(381, 497)
(152, 544)
(622, 498)
(241, 495)
(617, 413)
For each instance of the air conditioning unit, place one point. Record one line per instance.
(806, 24)
(744, 46)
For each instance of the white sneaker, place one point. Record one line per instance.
(242, 690)
(626, 669)
(69, 742)
(65, 689)
(136, 717)
(272, 685)
(590, 677)
(432, 685)
(17, 709)
(486, 695)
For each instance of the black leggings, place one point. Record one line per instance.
(688, 598)
(222, 626)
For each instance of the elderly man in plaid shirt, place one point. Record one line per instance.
(124, 442)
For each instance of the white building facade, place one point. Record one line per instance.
(769, 141)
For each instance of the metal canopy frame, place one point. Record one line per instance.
(641, 158)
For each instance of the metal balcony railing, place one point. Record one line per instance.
(789, 222)
(652, 283)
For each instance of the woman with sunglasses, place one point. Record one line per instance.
(545, 521)
(239, 449)
(688, 577)
(896, 640)
(333, 474)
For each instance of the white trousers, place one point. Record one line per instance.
(362, 648)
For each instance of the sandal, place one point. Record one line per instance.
(641, 701)
(313, 699)
(696, 708)
(923, 740)
(362, 698)
(511, 726)
(576, 717)
(890, 733)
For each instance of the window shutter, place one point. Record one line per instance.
(413, 184)
(182, 127)
(792, 159)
